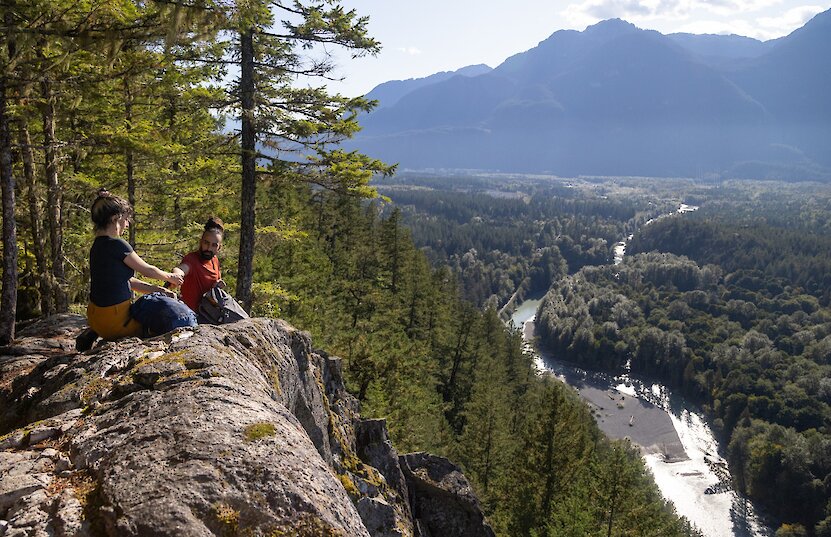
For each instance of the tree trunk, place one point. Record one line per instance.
(489, 440)
(465, 326)
(129, 160)
(550, 469)
(54, 197)
(8, 297)
(396, 254)
(616, 478)
(249, 170)
(35, 219)
(178, 221)
(612, 506)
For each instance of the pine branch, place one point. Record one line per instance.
(206, 8)
(316, 71)
(287, 9)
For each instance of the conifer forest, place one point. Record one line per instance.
(220, 108)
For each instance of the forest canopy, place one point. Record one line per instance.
(727, 305)
(189, 110)
(134, 96)
(741, 326)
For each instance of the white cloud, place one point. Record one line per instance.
(792, 19)
(737, 27)
(412, 51)
(734, 8)
(591, 11)
(762, 28)
(751, 18)
(644, 10)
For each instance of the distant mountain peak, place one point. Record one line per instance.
(821, 22)
(617, 99)
(821, 18)
(611, 26)
(474, 70)
(719, 49)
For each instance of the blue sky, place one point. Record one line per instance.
(423, 37)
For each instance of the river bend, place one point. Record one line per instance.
(677, 444)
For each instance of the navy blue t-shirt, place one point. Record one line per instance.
(109, 275)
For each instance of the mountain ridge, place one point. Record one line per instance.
(390, 92)
(616, 99)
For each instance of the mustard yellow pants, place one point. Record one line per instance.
(113, 322)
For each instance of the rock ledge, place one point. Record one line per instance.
(236, 430)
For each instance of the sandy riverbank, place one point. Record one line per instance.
(678, 446)
(620, 415)
(651, 428)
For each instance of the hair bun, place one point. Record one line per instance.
(214, 222)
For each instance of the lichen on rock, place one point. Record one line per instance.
(240, 429)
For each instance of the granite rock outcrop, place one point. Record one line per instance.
(242, 429)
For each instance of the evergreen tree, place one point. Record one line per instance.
(57, 55)
(8, 300)
(484, 443)
(290, 128)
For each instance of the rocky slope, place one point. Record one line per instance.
(235, 430)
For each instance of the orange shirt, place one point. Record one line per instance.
(201, 277)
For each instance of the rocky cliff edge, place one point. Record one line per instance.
(243, 429)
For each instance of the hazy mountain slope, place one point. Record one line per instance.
(794, 78)
(561, 51)
(389, 93)
(458, 101)
(643, 77)
(615, 99)
(793, 81)
(721, 49)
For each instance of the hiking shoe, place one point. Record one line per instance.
(84, 340)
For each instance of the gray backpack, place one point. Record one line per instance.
(218, 307)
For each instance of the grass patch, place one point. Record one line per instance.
(275, 381)
(93, 388)
(256, 431)
(88, 492)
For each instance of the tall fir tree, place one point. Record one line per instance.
(287, 129)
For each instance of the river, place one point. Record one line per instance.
(620, 247)
(678, 445)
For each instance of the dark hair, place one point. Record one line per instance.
(215, 223)
(106, 206)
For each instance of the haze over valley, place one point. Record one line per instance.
(618, 100)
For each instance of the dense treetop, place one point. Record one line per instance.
(136, 97)
(742, 326)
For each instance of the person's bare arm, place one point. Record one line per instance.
(181, 270)
(147, 288)
(135, 262)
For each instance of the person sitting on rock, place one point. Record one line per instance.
(200, 268)
(113, 263)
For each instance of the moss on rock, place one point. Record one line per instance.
(259, 430)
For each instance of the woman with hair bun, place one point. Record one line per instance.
(200, 268)
(113, 264)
